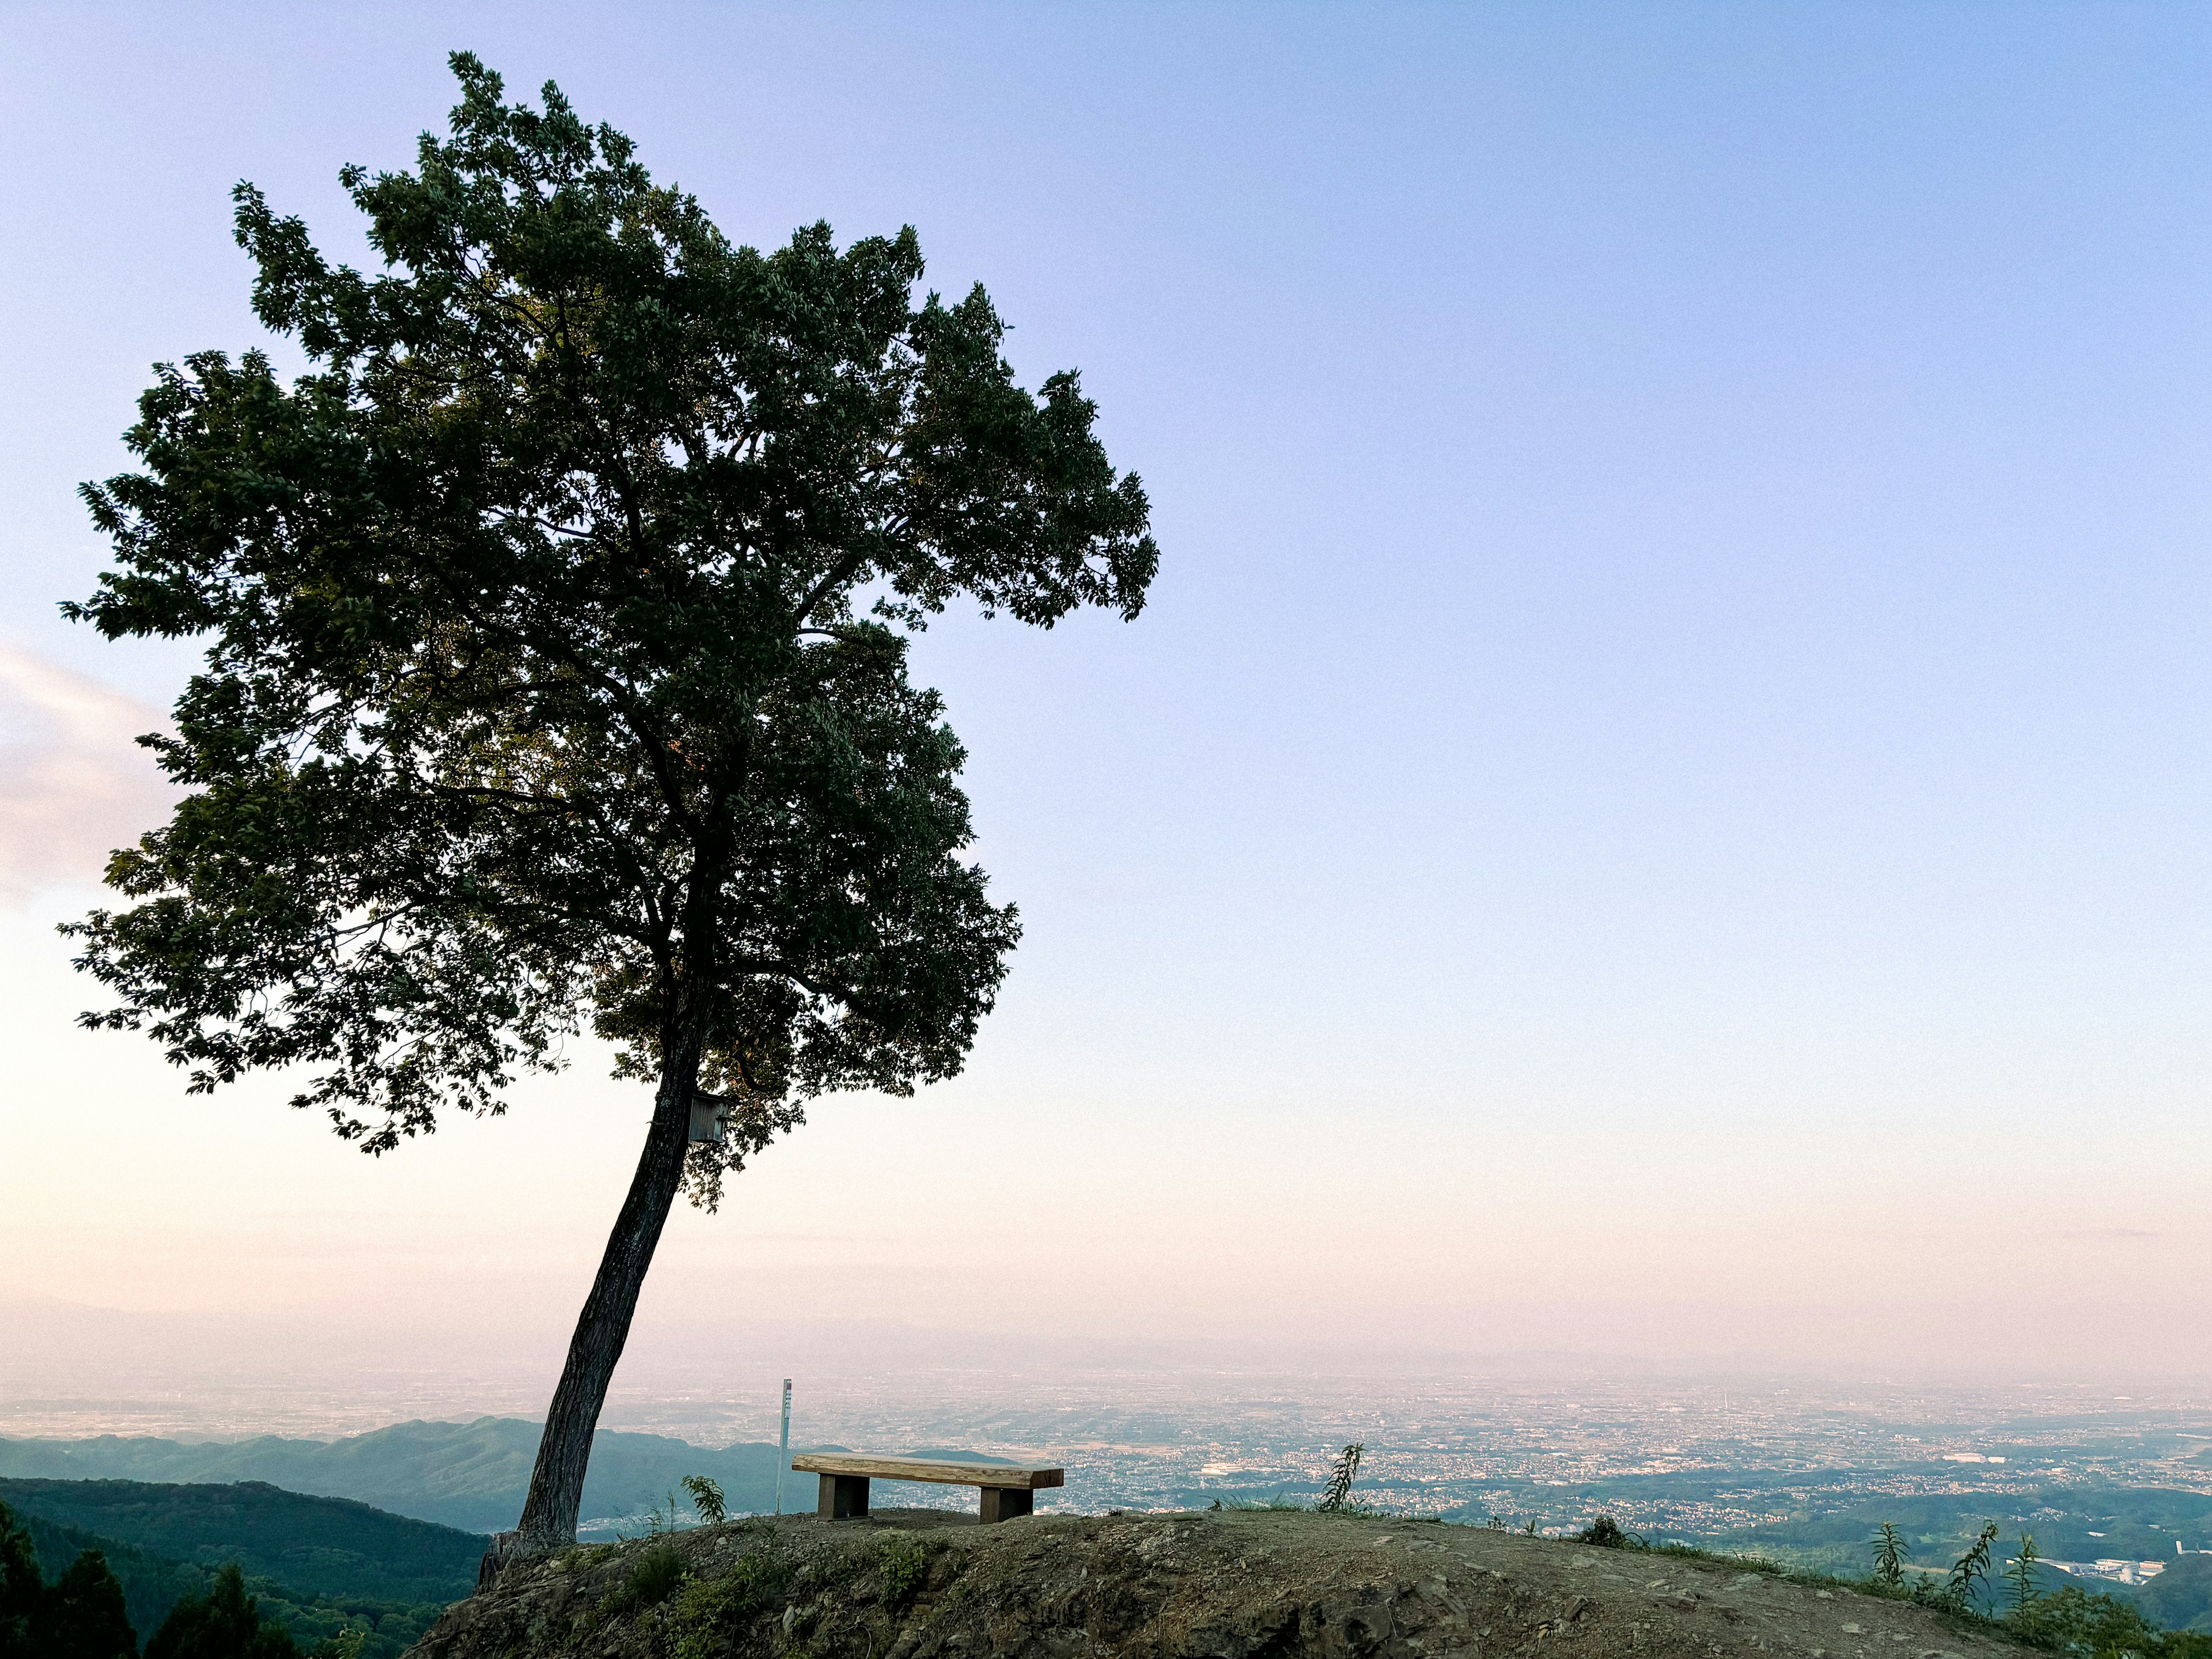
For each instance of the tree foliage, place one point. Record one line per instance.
(79, 1616)
(224, 1623)
(85, 1616)
(2084, 1624)
(22, 1587)
(556, 626)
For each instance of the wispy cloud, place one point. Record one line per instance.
(73, 784)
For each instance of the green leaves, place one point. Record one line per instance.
(2020, 1574)
(542, 687)
(1336, 1491)
(1970, 1572)
(706, 1501)
(1889, 1556)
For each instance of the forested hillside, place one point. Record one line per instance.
(466, 1475)
(152, 1585)
(329, 1545)
(2180, 1597)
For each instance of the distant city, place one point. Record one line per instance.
(1434, 1444)
(2113, 1484)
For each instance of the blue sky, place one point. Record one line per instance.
(1672, 726)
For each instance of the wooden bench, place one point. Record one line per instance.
(1009, 1489)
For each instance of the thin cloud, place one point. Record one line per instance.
(74, 784)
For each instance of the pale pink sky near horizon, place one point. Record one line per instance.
(1658, 815)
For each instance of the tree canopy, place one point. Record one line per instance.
(224, 1623)
(81, 1615)
(556, 624)
(557, 658)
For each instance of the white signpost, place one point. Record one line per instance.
(783, 1446)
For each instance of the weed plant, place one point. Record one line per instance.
(1971, 1570)
(707, 1500)
(1335, 1497)
(657, 1574)
(2019, 1573)
(1606, 1533)
(1889, 1557)
(711, 1609)
(905, 1565)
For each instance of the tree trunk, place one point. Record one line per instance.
(556, 1485)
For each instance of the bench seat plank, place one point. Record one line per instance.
(1021, 1477)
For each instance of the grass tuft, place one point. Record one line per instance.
(1607, 1533)
(655, 1576)
(905, 1563)
(708, 1617)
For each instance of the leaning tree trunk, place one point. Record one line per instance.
(556, 1485)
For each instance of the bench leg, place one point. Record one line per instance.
(1005, 1502)
(844, 1497)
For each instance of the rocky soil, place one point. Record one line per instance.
(1233, 1584)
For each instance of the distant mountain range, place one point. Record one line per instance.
(467, 1475)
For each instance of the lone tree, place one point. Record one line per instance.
(556, 631)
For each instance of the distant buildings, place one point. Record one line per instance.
(2114, 1571)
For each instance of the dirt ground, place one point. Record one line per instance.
(1227, 1584)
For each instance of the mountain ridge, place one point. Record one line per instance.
(308, 1541)
(471, 1476)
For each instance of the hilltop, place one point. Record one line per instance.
(1229, 1585)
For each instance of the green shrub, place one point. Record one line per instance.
(656, 1575)
(906, 1569)
(659, 1574)
(756, 1583)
